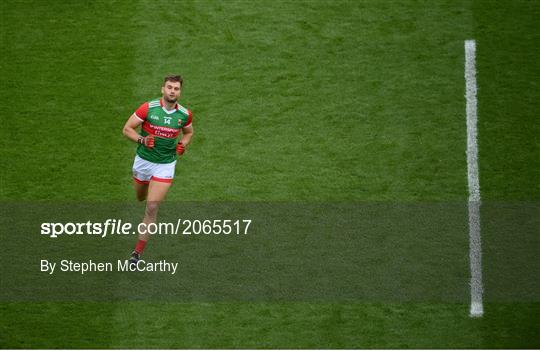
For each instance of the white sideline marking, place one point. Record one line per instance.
(475, 244)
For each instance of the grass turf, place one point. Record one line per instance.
(268, 325)
(293, 101)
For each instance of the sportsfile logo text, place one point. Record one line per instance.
(119, 227)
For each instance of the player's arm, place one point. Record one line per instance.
(187, 134)
(130, 131)
(129, 128)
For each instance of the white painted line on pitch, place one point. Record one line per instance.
(475, 244)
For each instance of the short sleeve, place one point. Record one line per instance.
(190, 117)
(142, 111)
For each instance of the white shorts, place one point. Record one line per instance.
(144, 171)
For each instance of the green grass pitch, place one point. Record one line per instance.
(294, 102)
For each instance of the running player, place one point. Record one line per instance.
(162, 120)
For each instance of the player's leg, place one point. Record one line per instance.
(157, 191)
(141, 189)
(160, 183)
(142, 172)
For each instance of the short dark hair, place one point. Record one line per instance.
(173, 78)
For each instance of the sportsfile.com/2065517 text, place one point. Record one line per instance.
(120, 227)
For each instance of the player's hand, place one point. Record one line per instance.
(147, 141)
(180, 148)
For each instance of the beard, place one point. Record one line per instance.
(168, 99)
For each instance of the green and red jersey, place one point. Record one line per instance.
(165, 126)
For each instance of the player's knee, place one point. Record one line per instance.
(141, 197)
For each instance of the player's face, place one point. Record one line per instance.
(171, 91)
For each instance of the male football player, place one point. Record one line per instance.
(162, 121)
